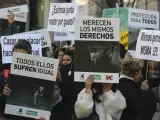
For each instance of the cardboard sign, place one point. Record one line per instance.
(62, 17)
(143, 18)
(46, 41)
(148, 45)
(8, 42)
(97, 42)
(32, 96)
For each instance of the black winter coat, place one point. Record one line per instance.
(141, 105)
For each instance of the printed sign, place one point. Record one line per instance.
(34, 66)
(32, 96)
(140, 19)
(143, 18)
(16, 6)
(21, 17)
(95, 29)
(46, 42)
(148, 45)
(8, 42)
(62, 17)
(63, 36)
(100, 40)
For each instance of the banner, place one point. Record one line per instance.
(46, 41)
(148, 45)
(31, 83)
(63, 36)
(21, 17)
(97, 49)
(16, 6)
(8, 42)
(62, 17)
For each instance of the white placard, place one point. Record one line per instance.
(62, 17)
(97, 40)
(21, 17)
(101, 29)
(34, 66)
(63, 36)
(148, 45)
(143, 18)
(8, 42)
(27, 112)
(14, 9)
(46, 41)
(32, 96)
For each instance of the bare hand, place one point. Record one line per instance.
(88, 84)
(6, 91)
(145, 85)
(10, 17)
(107, 87)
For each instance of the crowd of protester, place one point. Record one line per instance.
(136, 97)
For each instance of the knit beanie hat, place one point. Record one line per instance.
(23, 44)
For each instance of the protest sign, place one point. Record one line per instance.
(121, 13)
(46, 41)
(21, 17)
(63, 36)
(16, 6)
(140, 19)
(99, 56)
(62, 17)
(148, 45)
(32, 96)
(124, 39)
(143, 18)
(8, 42)
(97, 29)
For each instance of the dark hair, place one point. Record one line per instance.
(57, 50)
(99, 91)
(23, 44)
(70, 53)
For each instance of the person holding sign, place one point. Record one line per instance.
(101, 99)
(21, 46)
(141, 103)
